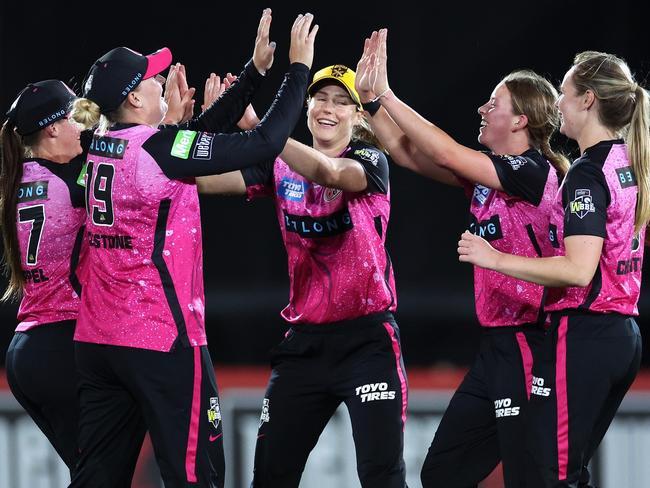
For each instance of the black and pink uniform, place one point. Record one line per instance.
(140, 339)
(343, 344)
(50, 219)
(592, 351)
(484, 422)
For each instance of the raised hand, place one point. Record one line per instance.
(179, 98)
(302, 40)
(263, 53)
(213, 90)
(381, 86)
(365, 78)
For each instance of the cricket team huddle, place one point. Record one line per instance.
(100, 218)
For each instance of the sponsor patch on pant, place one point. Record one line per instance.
(503, 408)
(374, 391)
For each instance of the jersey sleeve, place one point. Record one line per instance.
(259, 180)
(226, 111)
(184, 153)
(585, 197)
(374, 163)
(521, 176)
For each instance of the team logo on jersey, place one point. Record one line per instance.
(265, 417)
(34, 190)
(183, 144)
(214, 412)
(626, 177)
(293, 190)
(515, 162)
(331, 194)
(203, 146)
(108, 147)
(582, 204)
(490, 230)
(369, 155)
(481, 194)
(503, 408)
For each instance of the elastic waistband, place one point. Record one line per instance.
(372, 319)
(512, 329)
(572, 312)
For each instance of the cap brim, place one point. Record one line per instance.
(316, 84)
(158, 62)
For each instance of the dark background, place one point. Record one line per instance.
(444, 60)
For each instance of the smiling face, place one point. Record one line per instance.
(331, 115)
(497, 118)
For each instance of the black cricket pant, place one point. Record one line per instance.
(126, 391)
(42, 376)
(315, 369)
(485, 420)
(587, 364)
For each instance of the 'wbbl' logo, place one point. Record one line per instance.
(582, 203)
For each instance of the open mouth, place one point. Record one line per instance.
(326, 123)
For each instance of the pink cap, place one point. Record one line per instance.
(158, 62)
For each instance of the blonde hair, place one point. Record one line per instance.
(535, 97)
(363, 132)
(624, 108)
(87, 113)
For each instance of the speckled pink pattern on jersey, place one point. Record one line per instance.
(337, 277)
(502, 300)
(52, 299)
(124, 301)
(618, 293)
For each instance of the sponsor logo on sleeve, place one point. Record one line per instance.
(183, 144)
(626, 177)
(108, 147)
(203, 146)
(34, 190)
(481, 194)
(582, 204)
(515, 162)
(369, 155)
(293, 190)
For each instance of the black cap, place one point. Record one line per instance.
(120, 71)
(39, 105)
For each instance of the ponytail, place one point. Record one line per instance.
(12, 152)
(638, 144)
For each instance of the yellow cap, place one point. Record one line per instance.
(344, 75)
